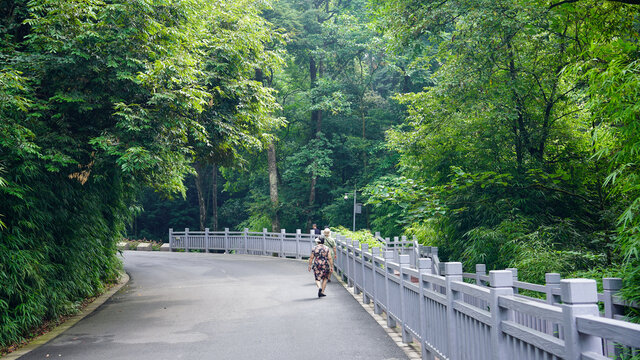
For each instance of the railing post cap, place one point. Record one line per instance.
(264, 229)
(424, 263)
(283, 231)
(388, 254)
(186, 229)
(377, 234)
(355, 243)
(298, 231)
(434, 250)
(375, 251)
(481, 268)
(612, 284)
(579, 291)
(364, 246)
(404, 238)
(405, 259)
(452, 268)
(500, 278)
(552, 278)
(226, 229)
(514, 272)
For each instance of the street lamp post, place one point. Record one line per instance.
(356, 207)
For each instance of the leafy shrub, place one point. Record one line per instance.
(363, 236)
(133, 244)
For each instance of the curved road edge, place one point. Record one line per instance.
(91, 307)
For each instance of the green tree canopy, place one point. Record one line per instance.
(99, 99)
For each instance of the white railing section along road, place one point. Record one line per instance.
(455, 315)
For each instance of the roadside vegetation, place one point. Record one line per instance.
(504, 132)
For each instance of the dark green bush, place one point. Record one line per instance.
(58, 247)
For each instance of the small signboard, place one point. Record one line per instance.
(358, 208)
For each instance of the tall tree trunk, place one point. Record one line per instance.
(316, 118)
(312, 194)
(406, 80)
(214, 198)
(538, 153)
(312, 199)
(364, 137)
(313, 71)
(273, 171)
(199, 178)
(522, 140)
(316, 115)
(316, 121)
(273, 186)
(517, 144)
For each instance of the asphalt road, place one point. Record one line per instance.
(216, 306)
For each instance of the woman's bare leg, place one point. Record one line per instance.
(324, 284)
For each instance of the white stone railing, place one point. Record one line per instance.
(282, 244)
(482, 318)
(457, 320)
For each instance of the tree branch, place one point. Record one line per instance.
(562, 3)
(630, 2)
(567, 114)
(589, 201)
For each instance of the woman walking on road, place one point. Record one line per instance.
(322, 264)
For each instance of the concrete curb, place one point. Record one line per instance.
(43, 339)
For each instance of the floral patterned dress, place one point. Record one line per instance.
(321, 266)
